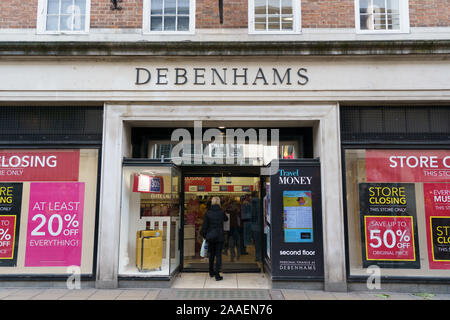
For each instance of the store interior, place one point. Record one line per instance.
(242, 232)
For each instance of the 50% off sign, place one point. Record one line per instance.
(389, 238)
(7, 227)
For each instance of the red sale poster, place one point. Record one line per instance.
(39, 165)
(389, 238)
(7, 236)
(408, 165)
(437, 215)
(55, 224)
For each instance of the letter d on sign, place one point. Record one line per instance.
(138, 73)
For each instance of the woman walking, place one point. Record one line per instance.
(212, 231)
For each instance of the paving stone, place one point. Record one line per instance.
(294, 295)
(320, 295)
(347, 296)
(7, 292)
(151, 295)
(51, 294)
(23, 294)
(82, 294)
(105, 294)
(276, 295)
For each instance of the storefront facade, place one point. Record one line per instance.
(252, 87)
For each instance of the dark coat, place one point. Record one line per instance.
(213, 224)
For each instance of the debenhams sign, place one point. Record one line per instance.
(222, 76)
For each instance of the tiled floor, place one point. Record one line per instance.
(230, 281)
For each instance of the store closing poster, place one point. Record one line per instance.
(389, 225)
(55, 224)
(10, 208)
(437, 214)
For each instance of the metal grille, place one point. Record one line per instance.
(395, 124)
(215, 294)
(51, 125)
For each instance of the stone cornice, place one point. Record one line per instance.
(189, 48)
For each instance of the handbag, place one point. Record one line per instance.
(204, 249)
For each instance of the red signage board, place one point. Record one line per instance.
(148, 184)
(7, 236)
(389, 238)
(39, 165)
(437, 214)
(408, 165)
(202, 184)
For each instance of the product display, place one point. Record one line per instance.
(150, 210)
(149, 250)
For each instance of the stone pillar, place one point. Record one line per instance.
(332, 201)
(110, 195)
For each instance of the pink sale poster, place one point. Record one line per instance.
(55, 224)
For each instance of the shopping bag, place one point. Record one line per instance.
(204, 249)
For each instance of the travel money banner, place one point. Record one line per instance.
(10, 208)
(437, 215)
(389, 225)
(296, 216)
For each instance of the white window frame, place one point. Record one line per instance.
(296, 23)
(41, 25)
(404, 20)
(146, 20)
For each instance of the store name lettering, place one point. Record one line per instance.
(293, 177)
(420, 161)
(222, 76)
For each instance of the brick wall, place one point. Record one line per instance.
(328, 14)
(315, 14)
(429, 13)
(129, 17)
(235, 14)
(18, 13)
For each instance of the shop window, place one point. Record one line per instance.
(150, 222)
(398, 211)
(168, 16)
(63, 16)
(274, 16)
(382, 15)
(47, 211)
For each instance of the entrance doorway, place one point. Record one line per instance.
(164, 200)
(240, 198)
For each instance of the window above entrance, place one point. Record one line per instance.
(169, 16)
(274, 16)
